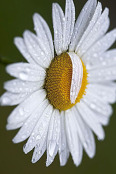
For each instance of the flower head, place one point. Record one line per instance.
(63, 96)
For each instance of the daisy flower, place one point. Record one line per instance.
(65, 89)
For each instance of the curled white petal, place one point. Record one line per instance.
(77, 76)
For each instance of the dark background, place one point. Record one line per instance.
(15, 17)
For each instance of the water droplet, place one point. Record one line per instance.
(56, 32)
(33, 160)
(63, 146)
(38, 137)
(104, 63)
(95, 55)
(39, 152)
(85, 145)
(33, 134)
(25, 149)
(21, 111)
(23, 76)
(42, 53)
(5, 101)
(92, 106)
(27, 69)
(23, 136)
(52, 146)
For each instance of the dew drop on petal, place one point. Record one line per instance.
(23, 136)
(92, 105)
(23, 76)
(33, 160)
(5, 101)
(24, 147)
(39, 152)
(42, 53)
(21, 111)
(85, 145)
(27, 69)
(52, 146)
(38, 137)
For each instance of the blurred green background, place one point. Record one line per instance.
(15, 17)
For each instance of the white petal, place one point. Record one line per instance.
(25, 71)
(85, 134)
(98, 30)
(90, 26)
(100, 116)
(36, 49)
(19, 42)
(43, 33)
(53, 137)
(40, 129)
(74, 143)
(104, 92)
(100, 46)
(11, 99)
(19, 86)
(95, 103)
(39, 150)
(63, 146)
(107, 59)
(58, 24)
(109, 83)
(89, 117)
(82, 23)
(102, 74)
(24, 110)
(68, 23)
(77, 76)
(30, 123)
(14, 126)
(51, 143)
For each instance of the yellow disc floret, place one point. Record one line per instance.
(58, 82)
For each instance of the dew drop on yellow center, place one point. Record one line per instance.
(58, 82)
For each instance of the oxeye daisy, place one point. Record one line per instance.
(65, 89)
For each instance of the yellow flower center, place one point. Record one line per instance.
(58, 82)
